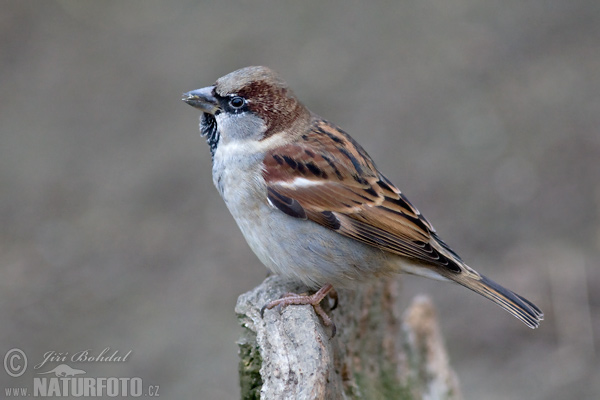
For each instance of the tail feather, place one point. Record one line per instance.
(518, 306)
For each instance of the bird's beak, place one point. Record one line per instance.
(202, 99)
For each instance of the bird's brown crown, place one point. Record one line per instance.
(268, 97)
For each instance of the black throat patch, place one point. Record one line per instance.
(208, 129)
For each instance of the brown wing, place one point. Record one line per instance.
(328, 178)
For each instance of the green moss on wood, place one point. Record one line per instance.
(249, 369)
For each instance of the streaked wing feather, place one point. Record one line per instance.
(340, 188)
(329, 179)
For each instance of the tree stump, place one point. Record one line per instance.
(290, 354)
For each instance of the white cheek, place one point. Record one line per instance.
(249, 147)
(234, 127)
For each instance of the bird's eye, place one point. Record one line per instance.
(237, 102)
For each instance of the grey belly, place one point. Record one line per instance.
(308, 252)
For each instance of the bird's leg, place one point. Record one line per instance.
(314, 300)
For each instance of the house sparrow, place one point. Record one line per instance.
(310, 201)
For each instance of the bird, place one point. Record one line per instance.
(311, 203)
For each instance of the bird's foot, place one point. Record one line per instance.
(314, 300)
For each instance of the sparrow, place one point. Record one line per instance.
(312, 204)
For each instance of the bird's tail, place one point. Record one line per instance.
(518, 306)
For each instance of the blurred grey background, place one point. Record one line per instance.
(485, 113)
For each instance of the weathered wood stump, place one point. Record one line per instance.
(290, 354)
